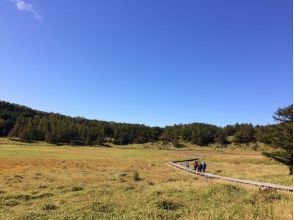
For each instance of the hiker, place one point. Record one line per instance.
(200, 167)
(204, 167)
(186, 164)
(196, 164)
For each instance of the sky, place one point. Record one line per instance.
(156, 62)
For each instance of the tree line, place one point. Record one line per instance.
(32, 125)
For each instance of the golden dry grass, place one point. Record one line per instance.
(42, 181)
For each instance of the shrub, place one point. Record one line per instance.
(49, 207)
(136, 176)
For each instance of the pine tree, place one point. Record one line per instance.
(282, 136)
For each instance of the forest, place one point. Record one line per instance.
(32, 125)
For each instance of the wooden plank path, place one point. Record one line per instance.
(213, 176)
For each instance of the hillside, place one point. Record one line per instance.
(33, 125)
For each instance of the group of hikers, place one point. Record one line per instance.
(198, 167)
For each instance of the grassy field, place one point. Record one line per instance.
(42, 181)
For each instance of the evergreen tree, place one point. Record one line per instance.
(244, 133)
(282, 136)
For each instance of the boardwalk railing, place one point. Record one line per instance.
(210, 175)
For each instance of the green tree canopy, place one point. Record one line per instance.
(281, 136)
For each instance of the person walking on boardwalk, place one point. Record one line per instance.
(204, 167)
(200, 167)
(186, 164)
(196, 164)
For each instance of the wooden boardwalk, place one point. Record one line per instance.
(235, 180)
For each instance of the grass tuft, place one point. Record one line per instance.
(100, 207)
(76, 188)
(168, 205)
(11, 203)
(49, 207)
(43, 195)
(136, 176)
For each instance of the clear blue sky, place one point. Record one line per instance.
(156, 62)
